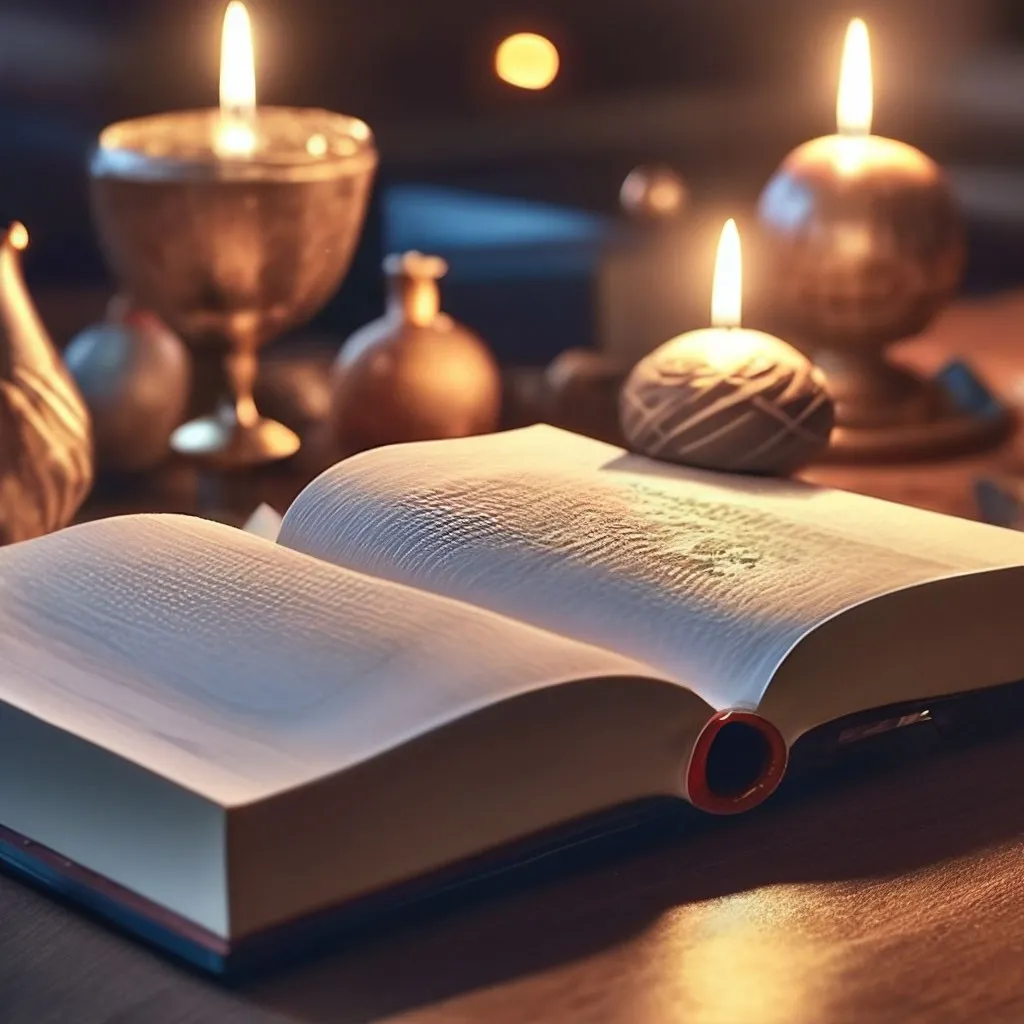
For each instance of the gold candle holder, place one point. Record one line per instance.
(866, 245)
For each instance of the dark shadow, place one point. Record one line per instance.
(881, 826)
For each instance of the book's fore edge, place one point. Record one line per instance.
(93, 793)
(101, 895)
(159, 927)
(511, 760)
(921, 590)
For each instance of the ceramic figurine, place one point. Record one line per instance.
(414, 374)
(133, 372)
(45, 439)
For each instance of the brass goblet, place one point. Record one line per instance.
(232, 247)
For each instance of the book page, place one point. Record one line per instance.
(264, 522)
(708, 577)
(238, 668)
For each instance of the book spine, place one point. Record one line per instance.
(738, 761)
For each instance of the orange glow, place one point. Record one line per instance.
(235, 136)
(316, 145)
(854, 106)
(849, 154)
(734, 351)
(527, 61)
(727, 290)
(17, 235)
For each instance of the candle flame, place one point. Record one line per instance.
(17, 235)
(854, 107)
(237, 83)
(237, 66)
(727, 290)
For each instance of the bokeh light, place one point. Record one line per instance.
(527, 61)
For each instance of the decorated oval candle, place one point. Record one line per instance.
(727, 397)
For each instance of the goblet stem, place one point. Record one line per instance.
(870, 392)
(241, 366)
(236, 436)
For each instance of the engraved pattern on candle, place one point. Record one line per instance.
(767, 412)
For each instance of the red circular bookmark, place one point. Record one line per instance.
(698, 788)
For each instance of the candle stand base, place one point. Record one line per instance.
(887, 414)
(222, 442)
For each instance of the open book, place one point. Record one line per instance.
(453, 646)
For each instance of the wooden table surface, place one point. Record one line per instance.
(893, 897)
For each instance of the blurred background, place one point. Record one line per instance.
(519, 188)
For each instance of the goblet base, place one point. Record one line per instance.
(908, 418)
(224, 443)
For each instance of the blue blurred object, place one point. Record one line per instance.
(521, 273)
(42, 183)
(454, 222)
(1000, 501)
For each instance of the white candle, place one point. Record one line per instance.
(726, 397)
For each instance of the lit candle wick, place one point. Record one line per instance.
(236, 135)
(854, 105)
(727, 289)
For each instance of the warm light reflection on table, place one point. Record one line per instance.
(733, 960)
